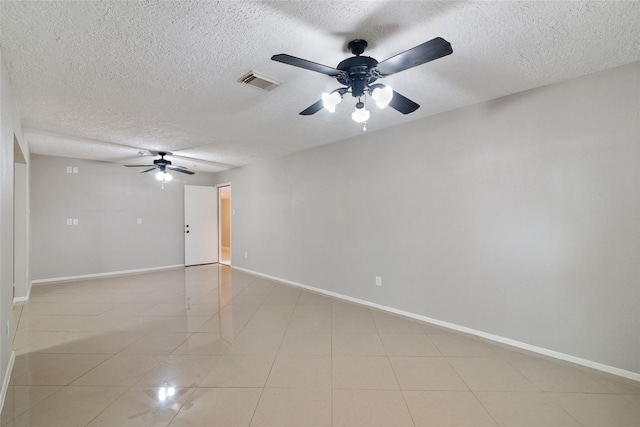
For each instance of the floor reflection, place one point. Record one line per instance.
(208, 345)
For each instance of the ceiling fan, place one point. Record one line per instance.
(358, 74)
(162, 165)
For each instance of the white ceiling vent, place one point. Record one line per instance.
(258, 80)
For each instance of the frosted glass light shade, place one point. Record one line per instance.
(160, 176)
(330, 100)
(360, 115)
(382, 96)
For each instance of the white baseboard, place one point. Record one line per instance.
(7, 377)
(24, 298)
(39, 282)
(540, 350)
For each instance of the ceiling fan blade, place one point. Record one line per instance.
(313, 109)
(149, 170)
(136, 166)
(174, 167)
(177, 167)
(307, 65)
(428, 51)
(206, 162)
(180, 170)
(403, 104)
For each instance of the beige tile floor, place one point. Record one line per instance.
(225, 255)
(208, 346)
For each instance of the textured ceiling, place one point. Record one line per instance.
(106, 80)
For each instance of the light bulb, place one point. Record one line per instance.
(360, 115)
(382, 96)
(330, 100)
(163, 176)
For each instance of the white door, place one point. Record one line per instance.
(200, 225)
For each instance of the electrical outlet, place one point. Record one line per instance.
(139, 221)
(69, 169)
(69, 221)
(233, 212)
(378, 280)
(75, 170)
(246, 254)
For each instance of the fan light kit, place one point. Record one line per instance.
(380, 93)
(162, 165)
(360, 114)
(163, 176)
(359, 73)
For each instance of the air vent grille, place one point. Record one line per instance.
(258, 80)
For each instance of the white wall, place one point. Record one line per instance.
(518, 217)
(21, 232)
(107, 199)
(10, 130)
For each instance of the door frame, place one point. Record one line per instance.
(218, 186)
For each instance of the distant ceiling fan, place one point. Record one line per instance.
(162, 165)
(359, 73)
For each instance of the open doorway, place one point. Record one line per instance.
(224, 203)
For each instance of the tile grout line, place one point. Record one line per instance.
(109, 405)
(274, 359)
(331, 360)
(546, 394)
(194, 389)
(395, 375)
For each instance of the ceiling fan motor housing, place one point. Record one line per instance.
(357, 73)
